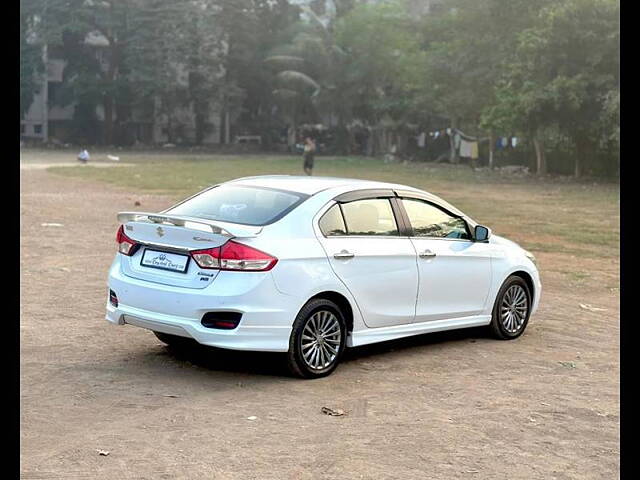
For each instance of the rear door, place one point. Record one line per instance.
(455, 271)
(377, 264)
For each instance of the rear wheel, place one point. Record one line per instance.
(317, 339)
(511, 310)
(173, 340)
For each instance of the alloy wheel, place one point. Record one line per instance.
(514, 308)
(321, 338)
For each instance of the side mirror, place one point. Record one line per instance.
(481, 233)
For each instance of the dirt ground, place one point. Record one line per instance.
(441, 406)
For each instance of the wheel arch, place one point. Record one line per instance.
(527, 279)
(342, 302)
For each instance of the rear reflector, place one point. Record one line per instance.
(234, 256)
(113, 299)
(126, 246)
(221, 320)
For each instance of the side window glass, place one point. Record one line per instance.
(370, 217)
(332, 223)
(429, 221)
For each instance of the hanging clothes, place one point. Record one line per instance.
(465, 148)
(504, 141)
(474, 150)
(456, 141)
(514, 142)
(499, 144)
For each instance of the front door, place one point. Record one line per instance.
(455, 271)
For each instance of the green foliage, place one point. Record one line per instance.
(564, 72)
(382, 48)
(546, 70)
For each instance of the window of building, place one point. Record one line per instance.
(37, 129)
(53, 89)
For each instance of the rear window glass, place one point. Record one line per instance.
(370, 217)
(239, 204)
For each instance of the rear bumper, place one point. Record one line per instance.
(267, 314)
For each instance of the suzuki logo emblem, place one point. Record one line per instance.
(160, 231)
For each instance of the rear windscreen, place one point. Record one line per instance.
(240, 204)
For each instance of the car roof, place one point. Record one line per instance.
(311, 185)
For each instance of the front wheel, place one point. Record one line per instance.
(317, 339)
(511, 310)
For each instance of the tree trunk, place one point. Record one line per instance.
(541, 161)
(221, 128)
(200, 128)
(402, 143)
(351, 140)
(107, 103)
(370, 139)
(292, 133)
(453, 153)
(108, 99)
(581, 151)
(170, 138)
(492, 144)
(200, 117)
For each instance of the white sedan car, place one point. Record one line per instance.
(312, 265)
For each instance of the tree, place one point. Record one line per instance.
(31, 66)
(382, 51)
(466, 50)
(561, 73)
(70, 23)
(251, 30)
(174, 63)
(300, 65)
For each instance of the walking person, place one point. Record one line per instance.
(307, 154)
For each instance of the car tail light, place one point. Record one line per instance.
(126, 246)
(209, 258)
(234, 256)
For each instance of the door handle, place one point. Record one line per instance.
(427, 254)
(343, 254)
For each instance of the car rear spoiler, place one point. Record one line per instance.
(226, 229)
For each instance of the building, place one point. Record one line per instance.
(47, 121)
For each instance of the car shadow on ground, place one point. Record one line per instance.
(274, 364)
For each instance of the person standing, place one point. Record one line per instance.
(307, 154)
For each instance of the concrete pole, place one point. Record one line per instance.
(45, 96)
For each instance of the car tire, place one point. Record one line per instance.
(318, 339)
(173, 340)
(511, 309)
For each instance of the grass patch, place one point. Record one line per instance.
(542, 215)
